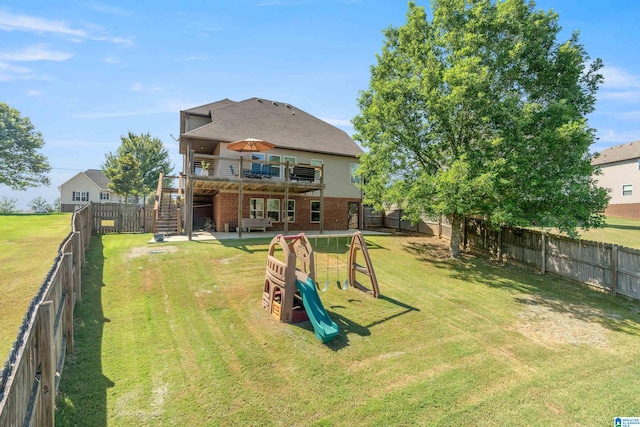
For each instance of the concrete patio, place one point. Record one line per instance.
(220, 235)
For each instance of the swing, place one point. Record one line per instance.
(326, 285)
(338, 282)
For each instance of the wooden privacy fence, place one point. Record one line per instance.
(610, 267)
(30, 376)
(121, 218)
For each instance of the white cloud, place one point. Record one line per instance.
(139, 87)
(619, 85)
(105, 8)
(35, 53)
(12, 22)
(619, 78)
(124, 41)
(607, 137)
(34, 92)
(10, 72)
(337, 122)
(168, 106)
(629, 96)
(112, 60)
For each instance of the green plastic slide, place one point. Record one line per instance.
(325, 328)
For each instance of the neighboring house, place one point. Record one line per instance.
(88, 186)
(305, 183)
(620, 166)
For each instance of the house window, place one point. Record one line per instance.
(316, 162)
(80, 196)
(353, 168)
(275, 169)
(291, 211)
(315, 211)
(256, 208)
(273, 209)
(627, 190)
(104, 196)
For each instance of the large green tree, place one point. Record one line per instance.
(151, 155)
(125, 176)
(21, 165)
(481, 111)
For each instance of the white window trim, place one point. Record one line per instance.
(311, 211)
(83, 196)
(253, 211)
(629, 188)
(275, 158)
(354, 179)
(276, 211)
(285, 212)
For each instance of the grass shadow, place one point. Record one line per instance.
(246, 245)
(561, 296)
(82, 397)
(624, 227)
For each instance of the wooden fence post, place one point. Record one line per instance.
(77, 283)
(47, 358)
(543, 254)
(69, 300)
(614, 269)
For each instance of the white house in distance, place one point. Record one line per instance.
(620, 166)
(88, 186)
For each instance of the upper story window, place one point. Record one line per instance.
(80, 196)
(104, 196)
(353, 167)
(275, 170)
(627, 190)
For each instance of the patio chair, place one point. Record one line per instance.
(266, 170)
(255, 170)
(233, 172)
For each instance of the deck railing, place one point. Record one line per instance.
(245, 168)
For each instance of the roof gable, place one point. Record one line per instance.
(98, 178)
(280, 123)
(618, 153)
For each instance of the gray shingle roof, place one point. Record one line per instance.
(98, 177)
(618, 153)
(282, 124)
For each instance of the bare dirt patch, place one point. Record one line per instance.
(547, 324)
(145, 250)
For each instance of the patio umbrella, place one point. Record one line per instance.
(251, 145)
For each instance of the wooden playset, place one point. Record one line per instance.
(290, 285)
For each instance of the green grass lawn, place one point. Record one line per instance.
(623, 231)
(174, 334)
(28, 247)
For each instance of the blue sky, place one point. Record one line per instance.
(87, 72)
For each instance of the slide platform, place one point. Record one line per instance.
(325, 328)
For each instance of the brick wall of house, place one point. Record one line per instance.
(626, 210)
(225, 207)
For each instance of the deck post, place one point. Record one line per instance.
(240, 174)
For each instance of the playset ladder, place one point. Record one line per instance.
(358, 244)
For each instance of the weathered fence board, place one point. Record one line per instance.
(628, 268)
(120, 218)
(30, 376)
